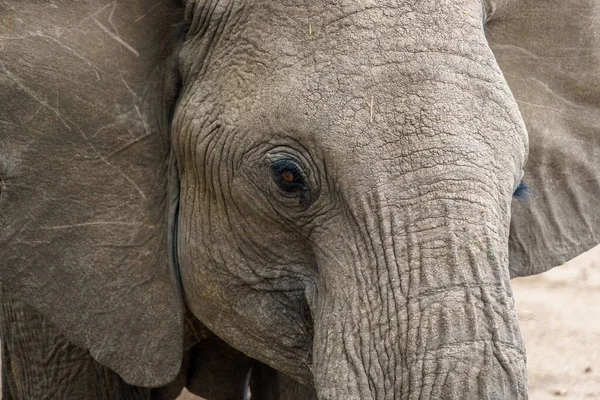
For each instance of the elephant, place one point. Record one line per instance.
(308, 199)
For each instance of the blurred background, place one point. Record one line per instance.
(559, 314)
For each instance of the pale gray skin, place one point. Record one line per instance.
(137, 152)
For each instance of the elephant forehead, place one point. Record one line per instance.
(259, 38)
(358, 77)
(335, 56)
(400, 108)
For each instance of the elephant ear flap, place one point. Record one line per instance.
(549, 58)
(84, 178)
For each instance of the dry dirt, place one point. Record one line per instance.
(559, 314)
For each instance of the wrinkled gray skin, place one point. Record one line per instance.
(138, 162)
(397, 266)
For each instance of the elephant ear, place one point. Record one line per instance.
(550, 56)
(84, 155)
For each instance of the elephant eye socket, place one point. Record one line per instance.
(521, 190)
(288, 176)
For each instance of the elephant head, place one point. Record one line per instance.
(327, 186)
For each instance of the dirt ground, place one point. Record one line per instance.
(559, 314)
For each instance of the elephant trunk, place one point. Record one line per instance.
(415, 308)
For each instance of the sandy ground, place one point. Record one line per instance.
(559, 314)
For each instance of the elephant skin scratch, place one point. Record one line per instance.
(137, 109)
(44, 103)
(520, 49)
(75, 53)
(127, 178)
(540, 106)
(127, 86)
(56, 92)
(104, 160)
(128, 145)
(32, 242)
(35, 96)
(34, 115)
(2, 121)
(110, 20)
(91, 223)
(61, 44)
(117, 38)
(149, 10)
(96, 13)
(371, 108)
(143, 120)
(97, 132)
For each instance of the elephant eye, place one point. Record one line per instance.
(521, 191)
(288, 176)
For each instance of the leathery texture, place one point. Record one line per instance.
(417, 323)
(399, 248)
(38, 362)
